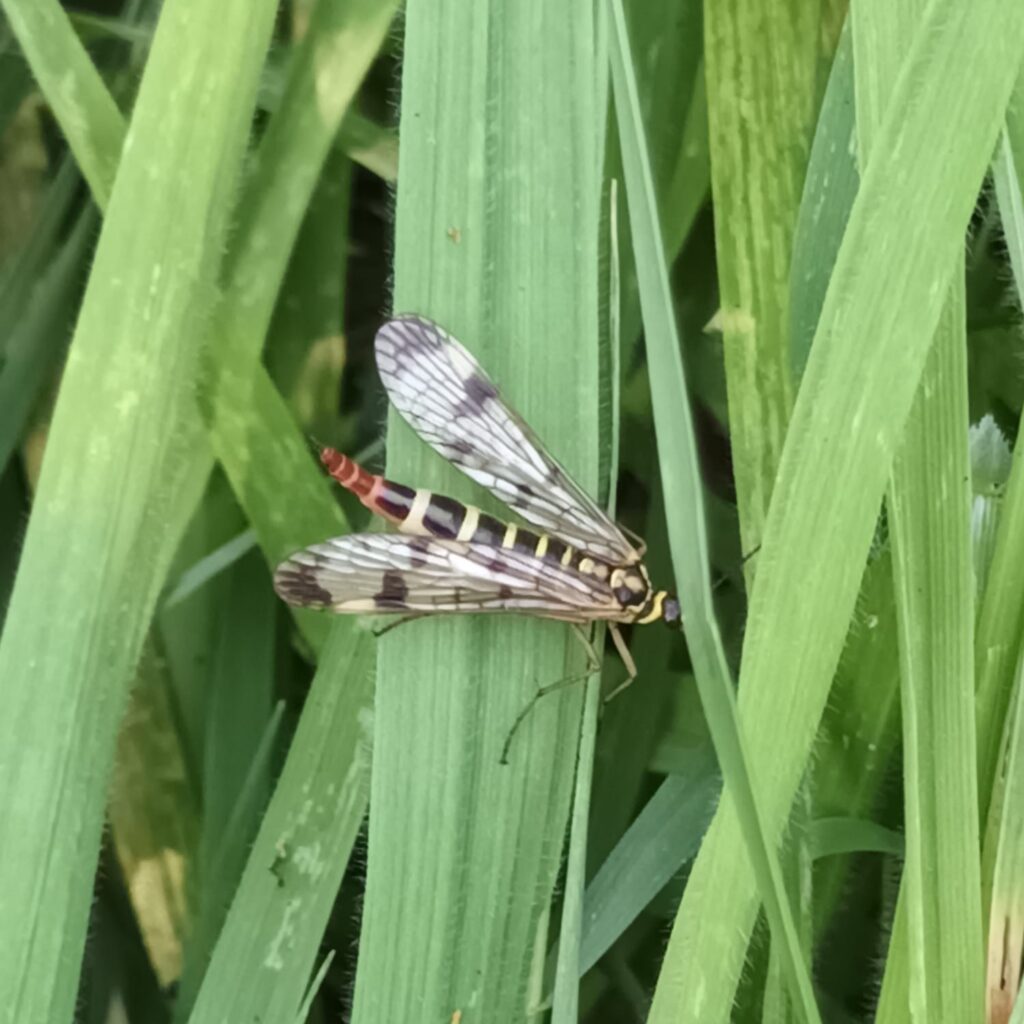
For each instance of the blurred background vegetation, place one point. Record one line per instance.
(158, 693)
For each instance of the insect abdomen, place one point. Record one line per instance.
(422, 513)
(385, 497)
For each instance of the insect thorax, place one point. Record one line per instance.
(631, 585)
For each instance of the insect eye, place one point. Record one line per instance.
(672, 613)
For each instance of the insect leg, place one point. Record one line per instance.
(543, 691)
(400, 621)
(641, 544)
(627, 660)
(593, 664)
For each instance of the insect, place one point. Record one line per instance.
(449, 557)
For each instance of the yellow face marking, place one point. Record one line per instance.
(542, 546)
(586, 565)
(567, 557)
(469, 524)
(413, 522)
(657, 605)
(510, 536)
(616, 579)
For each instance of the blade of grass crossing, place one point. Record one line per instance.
(97, 544)
(657, 844)
(875, 329)
(686, 527)
(517, 283)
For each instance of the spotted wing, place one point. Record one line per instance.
(448, 399)
(374, 573)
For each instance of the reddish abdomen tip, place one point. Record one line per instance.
(349, 474)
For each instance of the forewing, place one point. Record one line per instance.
(448, 399)
(386, 572)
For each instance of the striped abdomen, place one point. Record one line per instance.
(425, 514)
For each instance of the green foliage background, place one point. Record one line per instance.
(753, 272)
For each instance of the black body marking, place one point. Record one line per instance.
(489, 531)
(396, 499)
(444, 516)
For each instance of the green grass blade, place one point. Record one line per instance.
(929, 514)
(98, 543)
(266, 458)
(209, 566)
(657, 844)
(462, 850)
(762, 65)
(929, 517)
(830, 837)
(276, 921)
(828, 194)
(565, 1000)
(929, 504)
(875, 329)
(683, 494)
(860, 727)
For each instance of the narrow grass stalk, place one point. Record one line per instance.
(685, 498)
(496, 238)
(565, 1001)
(98, 544)
(861, 377)
(565, 998)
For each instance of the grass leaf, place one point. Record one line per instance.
(496, 238)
